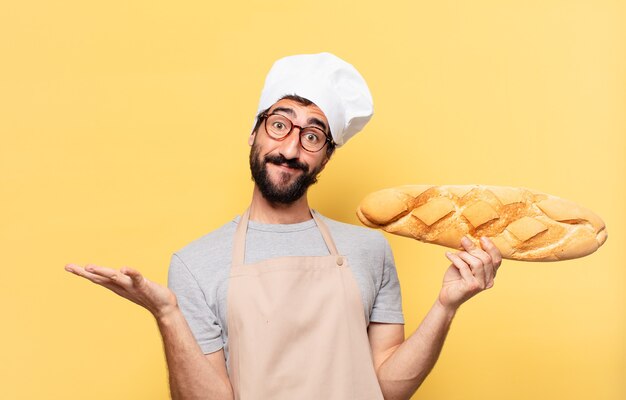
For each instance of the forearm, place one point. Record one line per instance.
(191, 375)
(405, 370)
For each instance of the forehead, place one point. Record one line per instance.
(300, 110)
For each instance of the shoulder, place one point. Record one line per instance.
(215, 246)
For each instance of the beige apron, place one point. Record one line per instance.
(296, 328)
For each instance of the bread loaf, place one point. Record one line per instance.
(524, 224)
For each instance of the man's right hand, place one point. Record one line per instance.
(130, 284)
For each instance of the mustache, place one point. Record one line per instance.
(279, 159)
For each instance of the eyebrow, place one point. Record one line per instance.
(315, 121)
(285, 109)
(310, 121)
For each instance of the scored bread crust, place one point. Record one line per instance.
(524, 224)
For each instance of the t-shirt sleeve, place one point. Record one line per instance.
(388, 304)
(192, 302)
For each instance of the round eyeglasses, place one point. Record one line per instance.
(312, 138)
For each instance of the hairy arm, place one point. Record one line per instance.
(192, 374)
(402, 365)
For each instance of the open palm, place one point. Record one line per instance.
(131, 285)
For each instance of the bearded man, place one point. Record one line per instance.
(282, 302)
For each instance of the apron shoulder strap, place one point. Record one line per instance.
(239, 241)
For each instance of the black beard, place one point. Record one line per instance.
(275, 194)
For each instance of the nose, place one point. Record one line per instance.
(290, 146)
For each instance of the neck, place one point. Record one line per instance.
(267, 212)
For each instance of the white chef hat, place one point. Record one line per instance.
(335, 86)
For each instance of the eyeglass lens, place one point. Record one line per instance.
(279, 126)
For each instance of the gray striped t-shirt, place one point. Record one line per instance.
(198, 273)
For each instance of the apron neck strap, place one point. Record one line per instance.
(239, 244)
(330, 243)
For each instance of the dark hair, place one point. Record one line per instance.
(330, 147)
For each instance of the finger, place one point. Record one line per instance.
(467, 243)
(80, 271)
(487, 264)
(113, 275)
(135, 275)
(483, 256)
(70, 267)
(471, 248)
(493, 251)
(496, 257)
(476, 266)
(103, 271)
(463, 268)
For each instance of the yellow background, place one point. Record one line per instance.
(123, 137)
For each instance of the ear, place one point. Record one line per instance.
(251, 138)
(324, 162)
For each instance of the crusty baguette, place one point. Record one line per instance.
(524, 224)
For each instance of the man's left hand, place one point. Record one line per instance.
(471, 272)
